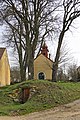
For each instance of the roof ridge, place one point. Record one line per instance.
(44, 56)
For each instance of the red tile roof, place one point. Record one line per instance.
(2, 51)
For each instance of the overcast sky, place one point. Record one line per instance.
(72, 40)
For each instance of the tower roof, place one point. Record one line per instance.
(2, 51)
(45, 46)
(44, 50)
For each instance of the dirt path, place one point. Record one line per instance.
(69, 111)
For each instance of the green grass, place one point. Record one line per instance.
(43, 95)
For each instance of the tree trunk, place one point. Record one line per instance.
(31, 66)
(54, 73)
(31, 70)
(56, 62)
(22, 73)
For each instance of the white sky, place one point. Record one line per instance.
(72, 40)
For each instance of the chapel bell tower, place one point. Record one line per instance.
(44, 50)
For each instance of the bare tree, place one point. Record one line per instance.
(70, 13)
(65, 55)
(64, 61)
(29, 22)
(61, 75)
(73, 73)
(15, 75)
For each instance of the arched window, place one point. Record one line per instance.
(41, 76)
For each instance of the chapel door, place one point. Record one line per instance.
(41, 76)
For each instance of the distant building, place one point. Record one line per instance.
(43, 65)
(4, 68)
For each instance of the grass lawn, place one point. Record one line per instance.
(43, 95)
